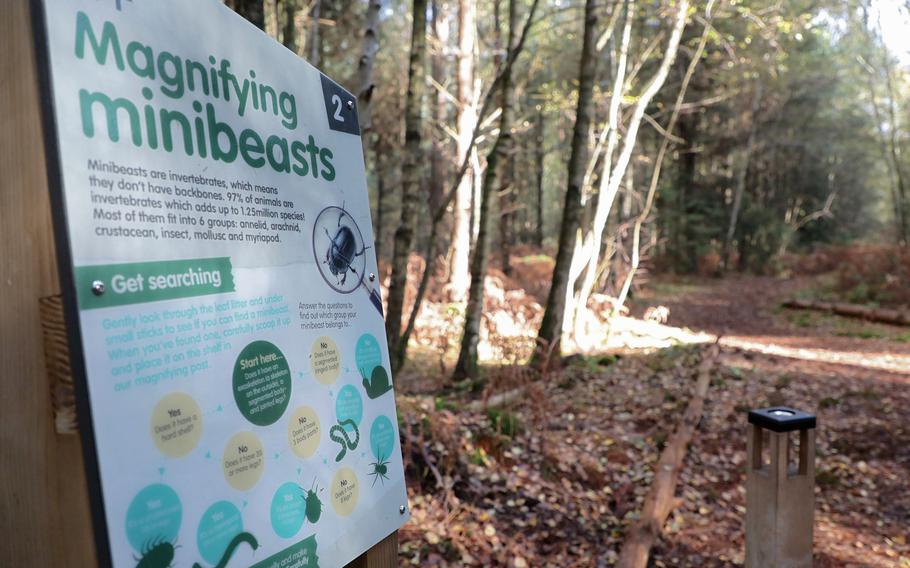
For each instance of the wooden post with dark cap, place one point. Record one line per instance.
(779, 489)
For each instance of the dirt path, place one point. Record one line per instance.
(854, 375)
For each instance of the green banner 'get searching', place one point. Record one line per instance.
(142, 282)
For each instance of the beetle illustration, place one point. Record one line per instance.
(342, 250)
(380, 470)
(313, 504)
(157, 553)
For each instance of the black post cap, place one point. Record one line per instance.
(781, 419)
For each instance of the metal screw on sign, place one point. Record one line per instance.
(402, 509)
(97, 287)
(350, 105)
(372, 277)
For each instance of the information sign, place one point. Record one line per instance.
(217, 254)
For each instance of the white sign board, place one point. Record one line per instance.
(217, 250)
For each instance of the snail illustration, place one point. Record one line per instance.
(378, 384)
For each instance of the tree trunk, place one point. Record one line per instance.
(289, 29)
(492, 181)
(893, 130)
(466, 118)
(365, 85)
(658, 164)
(608, 190)
(410, 176)
(539, 156)
(314, 40)
(741, 175)
(587, 253)
(549, 335)
(271, 18)
(252, 10)
(438, 169)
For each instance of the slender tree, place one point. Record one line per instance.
(289, 29)
(742, 173)
(410, 174)
(492, 182)
(549, 335)
(539, 155)
(613, 173)
(365, 84)
(466, 118)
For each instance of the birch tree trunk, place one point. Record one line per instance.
(586, 251)
(550, 333)
(466, 366)
(741, 175)
(658, 163)
(252, 10)
(466, 118)
(591, 249)
(410, 176)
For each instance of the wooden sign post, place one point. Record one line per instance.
(44, 494)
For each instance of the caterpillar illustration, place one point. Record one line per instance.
(229, 551)
(338, 433)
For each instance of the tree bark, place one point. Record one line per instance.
(289, 29)
(252, 10)
(365, 85)
(466, 365)
(466, 118)
(271, 18)
(410, 174)
(313, 42)
(438, 169)
(549, 335)
(539, 157)
(741, 175)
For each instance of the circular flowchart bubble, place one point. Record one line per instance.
(288, 510)
(304, 432)
(382, 438)
(243, 461)
(176, 424)
(345, 491)
(153, 520)
(219, 525)
(325, 360)
(262, 383)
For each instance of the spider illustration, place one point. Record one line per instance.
(342, 250)
(380, 471)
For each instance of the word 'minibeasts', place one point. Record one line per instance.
(202, 134)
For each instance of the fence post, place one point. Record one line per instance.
(780, 486)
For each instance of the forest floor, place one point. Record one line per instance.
(554, 477)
